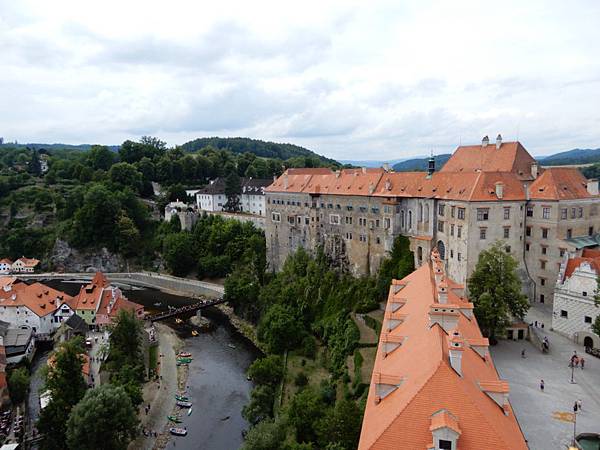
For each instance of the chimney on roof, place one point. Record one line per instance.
(285, 180)
(431, 166)
(455, 351)
(337, 173)
(364, 169)
(498, 141)
(387, 167)
(485, 141)
(443, 292)
(500, 189)
(388, 185)
(592, 186)
(371, 188)
(534, 169)
(274, 178)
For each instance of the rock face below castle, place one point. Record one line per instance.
(67, 259)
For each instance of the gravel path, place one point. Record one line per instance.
(160, 397)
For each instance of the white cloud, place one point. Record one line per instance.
(349, 79)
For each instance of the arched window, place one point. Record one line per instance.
(410, 220)
(420, 253)
(442, 249)
(420, 212)
(402, 218)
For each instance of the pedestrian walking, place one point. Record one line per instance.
(523, 353)
(535, 323)
(582, 361)
(579, 405)
(542, 385)
(542, 325)
(575, 407)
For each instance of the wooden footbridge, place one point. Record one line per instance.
(185, 309)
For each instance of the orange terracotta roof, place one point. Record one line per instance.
(111, 304)
(90, 295)
(510, 157)
(590, 253)
(5, 261)
(29, 262)
(574, 263)
(559, 183)
(6, 281)
(39, 298)
(422, 382)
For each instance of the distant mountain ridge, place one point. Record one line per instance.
(420, 164)
(575, 156)
(56, 146)
(371, 162)
(259, 148)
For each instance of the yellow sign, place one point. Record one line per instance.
(563, 416)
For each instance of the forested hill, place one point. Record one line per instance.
(40, 146)
(420, 164)
(259, 148)
(576, 156)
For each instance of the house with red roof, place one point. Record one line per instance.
(484, 193)
(574, 309)
(25, 265)
(434, 385)
(5, 266)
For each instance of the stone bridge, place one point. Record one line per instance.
(167, 283)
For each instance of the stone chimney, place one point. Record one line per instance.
(485, 141)
(337, 173)
(388, 185)
(499, 189)
(387, 167)
(455, 351)
(498, 141)
(534, 170)
(364, 170)
(285, 180)
(592, 186)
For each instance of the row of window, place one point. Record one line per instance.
(568, 233)
(454, 211)
(565, 213)
(387, 209)
(561, 251)
(362, 238)
(334, 219)
(565, 315)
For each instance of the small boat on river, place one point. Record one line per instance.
(174, 419)
(194, 333)
(184, 404)
(190, 412)
(184, 360)
(178, 320)
(231, 346)
(184, 355)
(182, 398)
(178, 431)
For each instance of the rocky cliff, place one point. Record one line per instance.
(64, 258)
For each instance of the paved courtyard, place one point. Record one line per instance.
(539, 413)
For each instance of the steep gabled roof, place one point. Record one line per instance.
(39, 298)
(414, 379)
(90, 295)
(510, 157)
(574, 263)
(559, 183)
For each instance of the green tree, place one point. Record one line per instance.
(400, 263)
(267, 370)
(18, 384)
(341, 425)
(279, 329)
(260, 406)
(126, 175)
(100, 157)
(65, 383)
(304, 413)
(596, 325)
(128, 236)
(95, 221)
(233, 189)
(104, 419)
(267, 435)
(495, 290)
(178, 253)
(35, 168)
(597, 293)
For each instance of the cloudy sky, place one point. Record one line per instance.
(348, 79)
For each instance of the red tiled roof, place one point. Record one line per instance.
(90, 295)
(574, 263)
(39, 298)
(510, 157)
(425, 382)
(29, 262)
(5, 261)
(559, 183)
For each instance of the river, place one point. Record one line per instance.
(217, 381)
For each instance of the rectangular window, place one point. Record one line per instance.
(441, 207)
(291, 220)
(306, 221)
(452, 229)
(594, 210)
(530, 211)
(452, 211)
(349, 208)
(544, 233)
(459, 256)
(378, 240)
(542, 282)
(441, 226)
(483, 214)
(451, 253)
(542, 264)
(587, 319)
(507, 249)
(546, 212)
(375, 210)
(334, 219)
(563, 213)
(386, 223)
(528, 231)
(590, 231)
(580, 212)
(349, 236)
(482, 233)
(459, 231)
(573, 212)
(561, 252)
(387, 209)
(276, 217)
(544, 250)
(348, 220)
(461, 213)
(376, 223)
(527, 247)
(506, 232)
(506, 213)
(569, 233)
(564, 314)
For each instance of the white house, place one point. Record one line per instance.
(574, 310)
(25, 265)
(5, 266)
(173, 209)
(212, 198)
(33, 306)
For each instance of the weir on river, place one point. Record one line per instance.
(184, 309)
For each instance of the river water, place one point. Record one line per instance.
(217, 381)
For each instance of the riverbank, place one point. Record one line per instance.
(160, 394)
(244, 327)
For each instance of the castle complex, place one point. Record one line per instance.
(483, 194)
